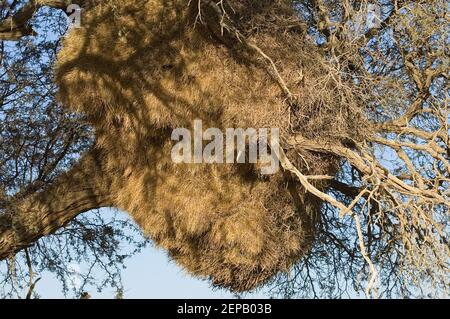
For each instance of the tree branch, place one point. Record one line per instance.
(83, 188)
(17, 25)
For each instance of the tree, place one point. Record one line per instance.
(39, 141)
(362, 108)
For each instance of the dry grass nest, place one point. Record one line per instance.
(138, 69)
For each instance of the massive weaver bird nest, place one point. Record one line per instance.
(138, 69)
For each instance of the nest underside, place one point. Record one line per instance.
(153, 66)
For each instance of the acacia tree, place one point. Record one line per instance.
(38, 142)
(383, 225)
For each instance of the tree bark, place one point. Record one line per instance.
(83, 188)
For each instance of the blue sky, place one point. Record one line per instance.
(149, 274)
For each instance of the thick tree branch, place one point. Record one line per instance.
(83, 188)
(17, 25)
